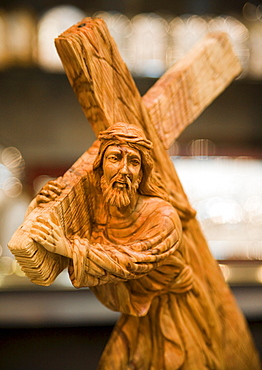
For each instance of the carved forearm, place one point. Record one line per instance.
(112, 263)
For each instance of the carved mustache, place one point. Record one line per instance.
(121, 179)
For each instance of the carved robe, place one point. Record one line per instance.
(139, 266)
(174, 302)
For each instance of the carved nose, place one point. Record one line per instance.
(124, 169)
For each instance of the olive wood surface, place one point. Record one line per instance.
(151, 262)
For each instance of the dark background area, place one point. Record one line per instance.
(63, 348)
(53, 348)
(131, 7)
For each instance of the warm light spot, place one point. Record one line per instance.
(225, 271)
(148, 45)
(11, 157)
(52, 24)
(5, 174)
(259, 274)
(226, 211)
(13, 187)
(17, 270)
(13, 160)
(20, 36)
(7, 266)
(201, 148)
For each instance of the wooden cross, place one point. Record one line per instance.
(108, 94)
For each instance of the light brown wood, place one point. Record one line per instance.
(93, 65)
(141, 252)
(186, 89)
(41, 266)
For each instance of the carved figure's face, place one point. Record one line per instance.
(121, 163)
(121, 174)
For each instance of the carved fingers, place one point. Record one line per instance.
(50, 191)
(50, 235)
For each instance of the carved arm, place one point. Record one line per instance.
(112, 263)
(95, 264)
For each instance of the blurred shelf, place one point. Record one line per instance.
(14, 72)
(179, 7)
(47, 308)
(242, 273)
(28, 305)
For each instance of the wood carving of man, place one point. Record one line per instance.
(109, 219)
(136, 262)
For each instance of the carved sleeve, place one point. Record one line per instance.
(96, 264)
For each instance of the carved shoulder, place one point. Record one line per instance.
(160, 212)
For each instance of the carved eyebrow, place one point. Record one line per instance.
(120, 151)
(134, 156)
(114, 152)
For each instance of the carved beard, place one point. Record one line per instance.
(119, 196)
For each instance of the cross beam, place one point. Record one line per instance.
(108, 94)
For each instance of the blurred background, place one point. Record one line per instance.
(43, 131)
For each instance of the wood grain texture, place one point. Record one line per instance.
(108, 94)
(148, 259)
(40, 265)
(98, 75)
(188, 87)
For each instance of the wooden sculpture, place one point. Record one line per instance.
(120, 221)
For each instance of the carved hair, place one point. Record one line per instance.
(126, 134)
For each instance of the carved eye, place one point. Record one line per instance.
(112, 158)
(135, 162)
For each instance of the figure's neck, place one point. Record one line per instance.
(124, 212)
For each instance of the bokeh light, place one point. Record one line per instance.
(13, 160)
(259, 275)
(13, 205)
(13, 187)
(149, 43)
(52, 23)
(11, 171)
(7, 266)
(225, 271)
(201, 148)
(226, 194)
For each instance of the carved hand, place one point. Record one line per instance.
(50, 191)
(50, 235)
